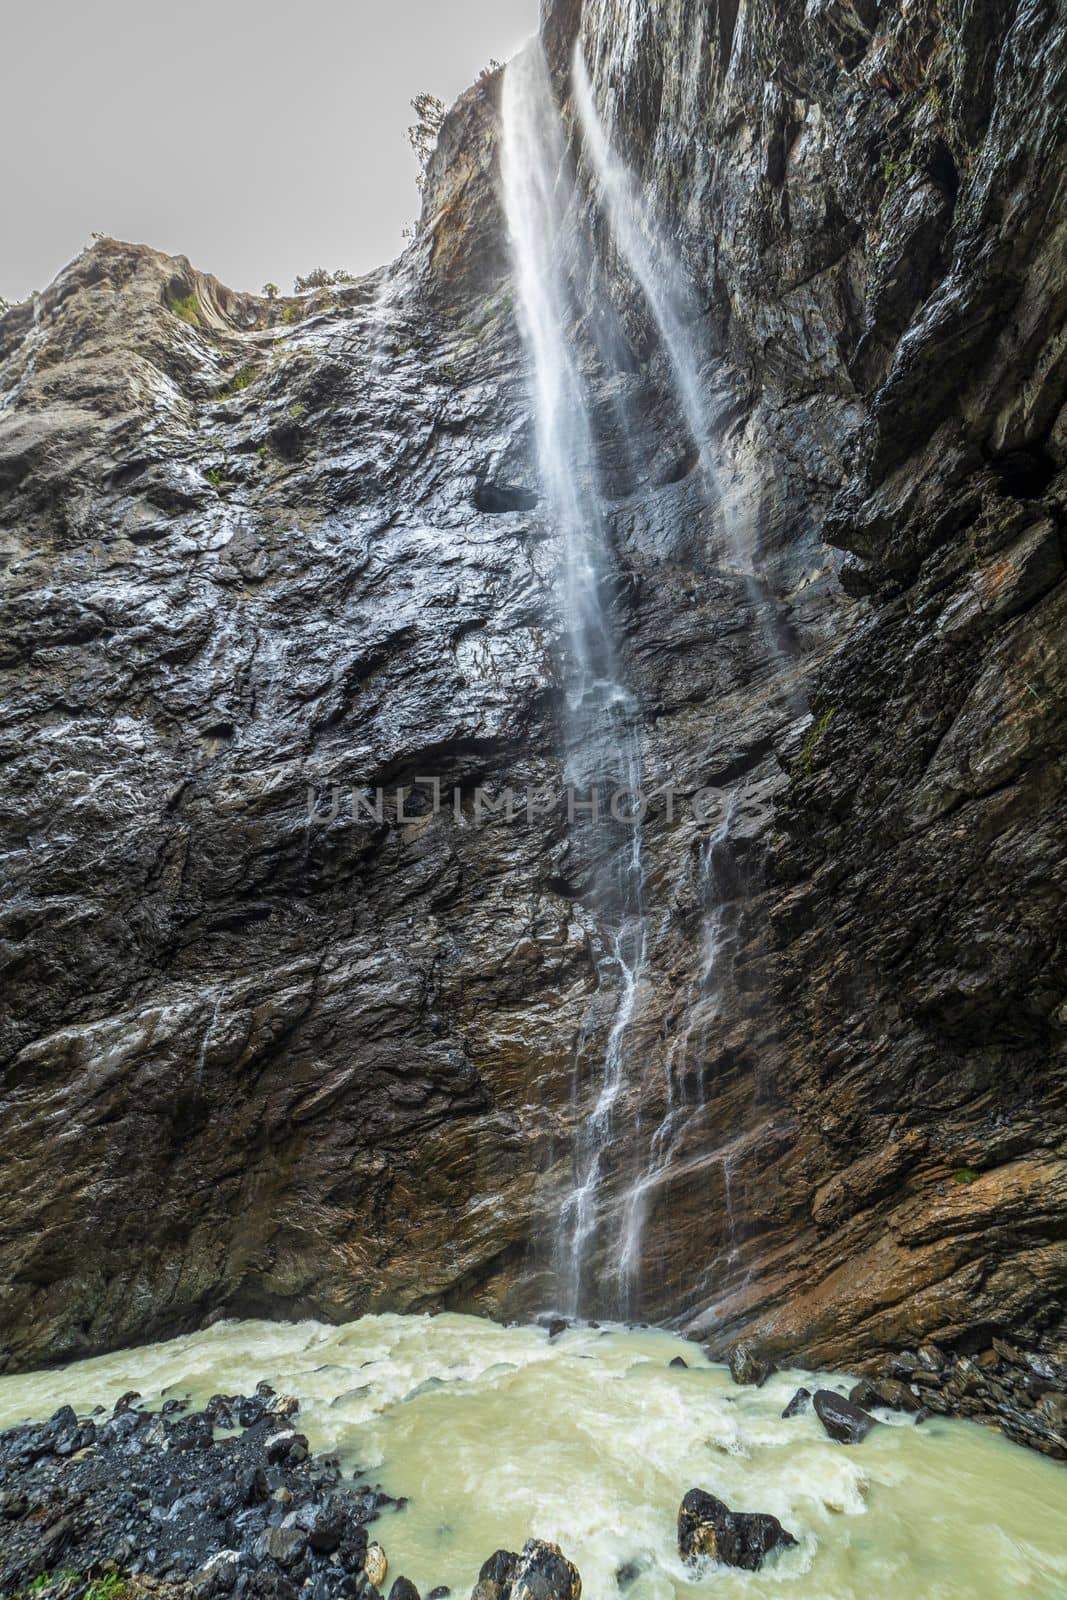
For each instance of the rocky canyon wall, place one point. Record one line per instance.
(261, 1062)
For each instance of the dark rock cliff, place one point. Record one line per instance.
(260, 1062)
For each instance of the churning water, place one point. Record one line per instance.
(590, 1441)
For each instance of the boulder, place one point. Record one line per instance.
(375, 1565)
(283, 1545)
(843, 1421)
(327, 1529)
(887, 1392)
(495, 1577)
(800, 1402)
(404, 1589)
(544, 1573)
(748, 1365)
(287, 1446)
(709, 1531)
(500, 1567)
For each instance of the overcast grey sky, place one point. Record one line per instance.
(258, 138)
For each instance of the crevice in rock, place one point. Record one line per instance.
(497, 498)
(1024, 474)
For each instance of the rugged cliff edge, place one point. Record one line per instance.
(256, 1061)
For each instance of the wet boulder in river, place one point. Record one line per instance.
(888, 1392)
(843, 1421)
(748, 1365)
(798, 1403)
(494, 1579)
(404, 1589)
(709, 1531)
(544, 1573)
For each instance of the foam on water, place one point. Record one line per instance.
(496, 1434)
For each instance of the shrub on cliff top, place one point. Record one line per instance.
(319, 278)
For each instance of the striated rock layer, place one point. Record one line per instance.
(261, 1061)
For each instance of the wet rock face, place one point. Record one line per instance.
(708, 1531)
(261, 1061)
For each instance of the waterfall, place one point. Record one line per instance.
(682, 1105)
(602, 730)
(655, 270)
(653, 264)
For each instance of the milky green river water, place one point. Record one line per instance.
(590, 1441)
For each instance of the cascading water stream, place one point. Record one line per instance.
(682, 1105)
(602, 732)
(652, 264)
(649, 258)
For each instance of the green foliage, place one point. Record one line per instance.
(110, 1587)
(814, 739)
(271, 291)
(188, 308)
(216, 479)
(422, 135)
(240, 380)
(291, 312)
(297, 410)
(964, 1175)
(319, 278)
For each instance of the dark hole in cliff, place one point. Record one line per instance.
(1024, 474)
(942, 169)
(287, 441)
(496, 497)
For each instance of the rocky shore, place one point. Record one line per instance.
(223, 1501)
(1019, 1393)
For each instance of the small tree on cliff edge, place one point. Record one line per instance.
(422, 135)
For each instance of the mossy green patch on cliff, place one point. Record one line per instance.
(240, 381)
(814, 739)
(964, 1175)
(188, 308)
